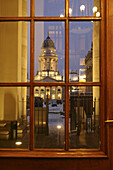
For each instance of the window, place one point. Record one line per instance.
(57, 53)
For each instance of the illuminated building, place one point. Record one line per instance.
(48, 61)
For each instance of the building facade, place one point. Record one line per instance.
(48, 62)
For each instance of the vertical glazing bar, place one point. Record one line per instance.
(31, 87)
(31, 118)
(32, 9)
(32, 51)
(32, 76)
(67, 118)
(67, 76)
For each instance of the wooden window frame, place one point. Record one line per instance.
(59, 153)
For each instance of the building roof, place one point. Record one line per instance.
(48, 43)
(48, 79)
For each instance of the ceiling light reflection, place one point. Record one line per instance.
(94, 9)
(98, 14)
(70, 11)
(82, 7)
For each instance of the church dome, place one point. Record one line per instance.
(48, 43)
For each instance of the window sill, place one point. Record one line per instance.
(53, 154)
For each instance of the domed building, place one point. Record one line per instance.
(48, 62)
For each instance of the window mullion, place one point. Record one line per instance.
(67, 76)
(32, 87)
(32, 12)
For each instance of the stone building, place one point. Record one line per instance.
(48, 62)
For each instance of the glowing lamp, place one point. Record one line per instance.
(82, 7)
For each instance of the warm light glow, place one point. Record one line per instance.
(82, 7)
(75, 78)
(58, 78)
(61, 15)
(42, 96)
(83, 76)
(59, 95)
(94, 9)
(98, 14)
(73, 90)
(58, 126)
(70, 11)
(44, 123)
(18, 143)
(53, 96)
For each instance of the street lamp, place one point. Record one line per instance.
(18, 143)
(58, 126)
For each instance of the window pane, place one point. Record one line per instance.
(84, 120)
(14, 51)
(84, 8)
(14, 117)
(14, 8)
(49, 7)
(84, 64)
(49, 51)
(49, 117)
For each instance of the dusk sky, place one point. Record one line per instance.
(80, 33)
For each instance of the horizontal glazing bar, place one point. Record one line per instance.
(50, 18)
(51, 84)
(84, 84)
(85, 18)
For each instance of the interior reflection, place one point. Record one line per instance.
(49, 116)
(84, 131)
(14, 117)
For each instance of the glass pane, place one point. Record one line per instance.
(14, 51)
(14, 117)
(50, 7)
(84, 54)
(49, 51)
(84, 8)
(14, 8)
(84, 119)
(49, 116)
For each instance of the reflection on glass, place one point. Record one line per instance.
(84, 121)
(84, 52)
(14, 51)
(14, 117)
(14, 8)
(49, 116)
(49, 51)
(49, 7)
(84, 8)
